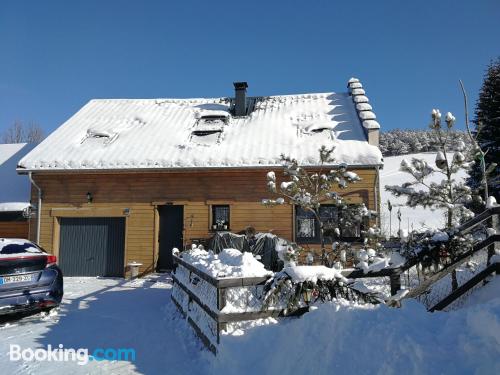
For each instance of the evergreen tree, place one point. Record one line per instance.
(449, 194)
(487, 133)
(310, 189)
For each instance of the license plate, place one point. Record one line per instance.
(15, 279)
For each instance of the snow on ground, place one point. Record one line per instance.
(334, 338)
(417, 217)
(486, 293)
(343, 338)
(115, 313)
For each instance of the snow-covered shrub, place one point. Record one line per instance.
(301, 286)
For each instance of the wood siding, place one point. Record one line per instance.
(14, 229)
(136, 196)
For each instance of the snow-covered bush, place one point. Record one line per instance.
(301, 286)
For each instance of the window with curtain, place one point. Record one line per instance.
(220, 217)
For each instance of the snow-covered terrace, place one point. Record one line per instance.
(198, 133)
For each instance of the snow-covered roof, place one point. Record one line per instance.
(14, 189)
(198, 133)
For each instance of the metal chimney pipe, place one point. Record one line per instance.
(240, 101)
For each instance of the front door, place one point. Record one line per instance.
(171, 226)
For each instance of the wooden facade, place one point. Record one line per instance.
(136, 196)
(14, 229)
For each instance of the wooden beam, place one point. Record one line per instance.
(88, 212)
(206, 341)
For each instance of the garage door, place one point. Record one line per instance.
(92, 246)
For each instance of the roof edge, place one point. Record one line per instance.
(139, 170)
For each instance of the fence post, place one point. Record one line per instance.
(495, 224)
(395, 282)
(221, 302)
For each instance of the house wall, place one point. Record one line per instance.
(65, 195)
(14, 229)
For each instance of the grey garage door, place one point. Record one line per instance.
(92, 246)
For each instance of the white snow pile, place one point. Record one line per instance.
(370, 262)
(440, 237)
(348, 338)
(13, 206)
(491, 202)
(396, 259)
(228, 263)
(496, 257)
(300, 274)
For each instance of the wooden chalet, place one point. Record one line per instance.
(126, 180)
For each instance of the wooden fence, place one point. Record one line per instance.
(201, 299)
(422, 289)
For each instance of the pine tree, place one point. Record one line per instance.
(487, 133)
(450, 194)
(310, 189)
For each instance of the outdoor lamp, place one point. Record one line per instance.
(90, 198)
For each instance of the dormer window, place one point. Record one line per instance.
(103, 137)
(206, 137)
(208, 129)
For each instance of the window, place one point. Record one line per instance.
(220, 217)
(95, 136)
(208, 129)
(307, 227)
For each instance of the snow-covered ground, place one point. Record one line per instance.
(335, 338)
(417, 217)
(109, 313)
(340, 338)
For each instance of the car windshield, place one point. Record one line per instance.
(11, 247)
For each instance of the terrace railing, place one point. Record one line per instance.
(435, 288)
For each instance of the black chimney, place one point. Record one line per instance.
(240, 101)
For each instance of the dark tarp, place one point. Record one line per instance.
(263, 244)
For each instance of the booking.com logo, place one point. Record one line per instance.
(61, 354)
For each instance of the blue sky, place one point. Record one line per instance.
(57, 55)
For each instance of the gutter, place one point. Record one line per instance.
(185, 169)
(39, 208)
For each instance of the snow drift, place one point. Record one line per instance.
(347, 338)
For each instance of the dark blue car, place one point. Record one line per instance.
(29, 277)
